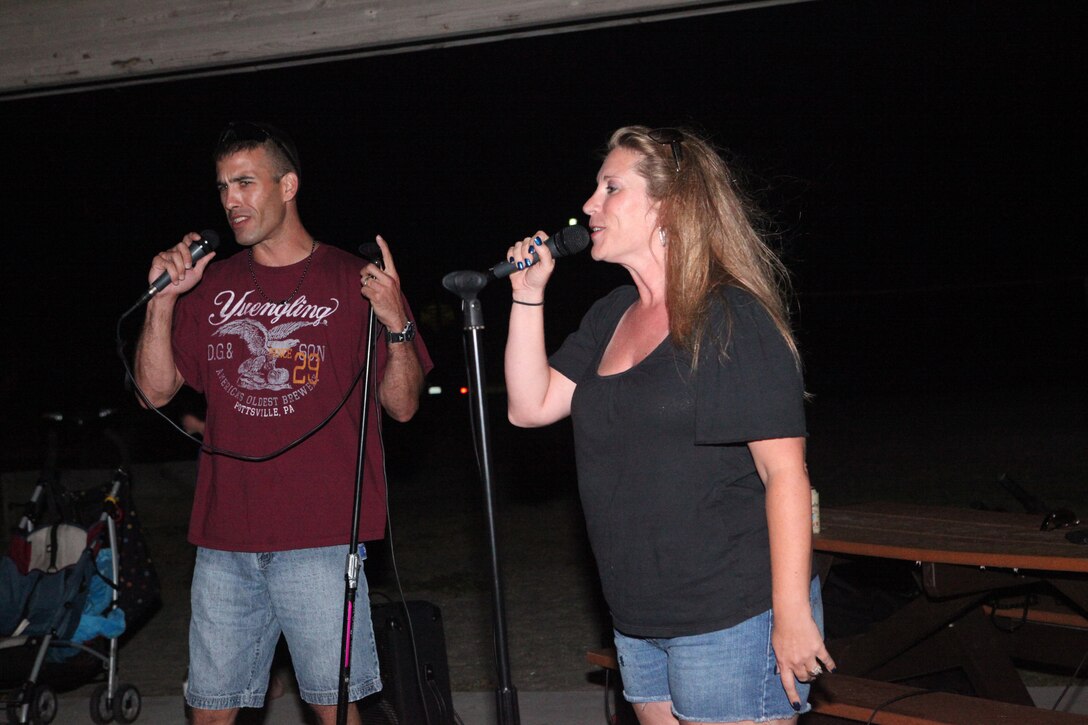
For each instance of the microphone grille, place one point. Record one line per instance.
(372, 253)
(571, 240)
(465, 283)
(211, 239)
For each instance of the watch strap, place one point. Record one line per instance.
(406, 335)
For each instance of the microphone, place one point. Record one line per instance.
(371, 252)
(567, 241)
(208, 242)
(465, 284)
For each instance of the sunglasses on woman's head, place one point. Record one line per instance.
(673, 138)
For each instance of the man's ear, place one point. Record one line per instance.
(289, 182)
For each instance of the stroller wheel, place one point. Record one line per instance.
(126, 706)
(43, 705)
(101, 707)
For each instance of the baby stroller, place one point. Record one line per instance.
(59, 614)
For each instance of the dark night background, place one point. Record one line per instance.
(921, 161)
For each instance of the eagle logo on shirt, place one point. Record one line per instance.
(266, 347)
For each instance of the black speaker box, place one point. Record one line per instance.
(415, 680)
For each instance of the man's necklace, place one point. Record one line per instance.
(253, 276)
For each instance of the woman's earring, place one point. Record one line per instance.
(661, 233)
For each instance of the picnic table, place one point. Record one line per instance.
(969, 562)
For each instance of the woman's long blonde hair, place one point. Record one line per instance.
(711, 238)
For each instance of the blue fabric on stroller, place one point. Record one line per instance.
(44, 601)
(65, 598)
(97, 619)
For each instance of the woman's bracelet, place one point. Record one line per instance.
(528, 304)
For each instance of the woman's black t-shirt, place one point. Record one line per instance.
(674, 506)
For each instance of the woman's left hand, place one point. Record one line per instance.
(799, 651)
(535, 263)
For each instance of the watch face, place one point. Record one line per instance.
(407, 335)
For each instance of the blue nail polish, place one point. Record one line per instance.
(796, 706)
(521, 265)
(538, 241)
(511, 260)
(528, 263)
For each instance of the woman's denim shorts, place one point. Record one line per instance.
(241, 604)
(724, 676)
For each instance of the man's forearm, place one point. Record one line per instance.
(155, 371)
(402, 383)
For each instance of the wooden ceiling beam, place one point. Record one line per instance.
(55, 46)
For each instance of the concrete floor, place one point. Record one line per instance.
(535, 708)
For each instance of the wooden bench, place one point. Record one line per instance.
(605, 658)
(854, 699)
(1044, 610)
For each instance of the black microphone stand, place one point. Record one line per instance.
(351, 575)
(467, 285)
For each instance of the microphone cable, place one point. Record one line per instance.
(214, 450)
(890, 701)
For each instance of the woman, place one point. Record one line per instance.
(687, 404)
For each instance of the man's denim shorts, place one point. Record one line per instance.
(241, 604)
(724, 676)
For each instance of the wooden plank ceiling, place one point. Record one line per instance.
(56, 46)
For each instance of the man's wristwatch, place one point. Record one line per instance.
(406, 335)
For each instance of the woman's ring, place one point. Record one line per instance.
(816, 671)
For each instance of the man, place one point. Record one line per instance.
(274, 337)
